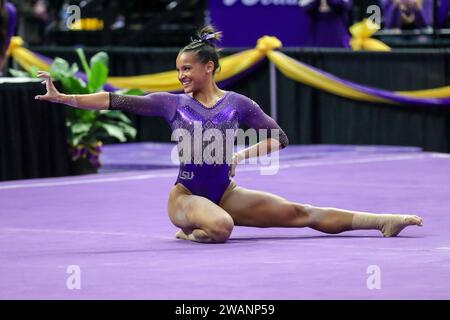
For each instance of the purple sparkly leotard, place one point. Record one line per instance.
(182, 111)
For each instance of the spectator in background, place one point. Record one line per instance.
(330, 20)
(408, 14)
(443, 6)
(8, 18)
(33, 19)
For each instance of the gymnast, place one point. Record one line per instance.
(205, 202)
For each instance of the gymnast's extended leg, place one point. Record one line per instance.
(200, 219)
(263, 209)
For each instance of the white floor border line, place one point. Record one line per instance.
(86, 181)
(258, 168)
(336, 162)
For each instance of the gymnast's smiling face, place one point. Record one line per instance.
(192, 73)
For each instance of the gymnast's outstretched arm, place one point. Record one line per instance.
(155, 104)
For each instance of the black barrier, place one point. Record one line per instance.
(32, 134)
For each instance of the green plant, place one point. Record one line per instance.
(86, 125)
(19, 73)
(87, 129)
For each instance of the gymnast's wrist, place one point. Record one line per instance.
(68, 99)
(239, 156)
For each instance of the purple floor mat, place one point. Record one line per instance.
(115, 228)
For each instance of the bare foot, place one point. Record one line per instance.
(395, 223)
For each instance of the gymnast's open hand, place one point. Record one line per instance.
(52, 94)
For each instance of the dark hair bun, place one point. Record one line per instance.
(209, 34)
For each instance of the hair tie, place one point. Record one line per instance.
(204, 38)
(208, 36)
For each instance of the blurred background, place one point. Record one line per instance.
(171, 22)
